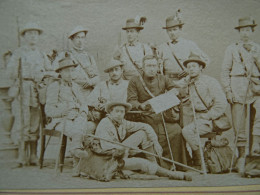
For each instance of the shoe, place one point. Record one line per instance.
(187, 177)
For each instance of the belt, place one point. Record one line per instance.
(28, 79)
(201, 111)
(245, 76)
(238, 75)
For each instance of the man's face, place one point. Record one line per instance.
(132, 35)
(115, 73)
(79, 40)
(66, 74)
(117, 113)
(174, 32)
(245, 33)
(150, 68)
(31, 37)
(194, 69)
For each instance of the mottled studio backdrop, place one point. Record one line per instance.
(209, 23)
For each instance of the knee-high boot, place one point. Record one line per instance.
(241, 159)
(33, 153)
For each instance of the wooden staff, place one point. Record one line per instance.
(198, 135)
(20, 77)
(143, 151)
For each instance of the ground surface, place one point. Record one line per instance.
(35, 178)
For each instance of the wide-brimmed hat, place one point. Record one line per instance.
(173, 21)
(245, 22)
(31, 26)
(65, 63)
(113, 63)
(76, 30)
(136, 23)
(112, 104)
(194, 58)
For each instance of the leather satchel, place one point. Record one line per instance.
(222, 123)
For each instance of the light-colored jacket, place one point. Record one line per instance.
(62, 99)
(182, 50)
(211, 93)
(34, 65)
(106, 129)
(108, 92)
(137, 53)
(85, 72)
(238, 63)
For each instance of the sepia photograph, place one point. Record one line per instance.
(120, 95)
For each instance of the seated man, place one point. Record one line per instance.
(140, 90)
(114, 89)
(208, 99)
(115, 128)
(66, 106)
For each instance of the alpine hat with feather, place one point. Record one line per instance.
(136, 23)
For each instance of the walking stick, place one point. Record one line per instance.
(20, 77)
(198, 135)
(143, 151)
(168, 141)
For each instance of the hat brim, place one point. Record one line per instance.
(127, 106)
(191, 60)
(166, 27)
(23, 31)
(250, 25)
(71, 35)
(107, 69)
(59, 69)
(136, 27)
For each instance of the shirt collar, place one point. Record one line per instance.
(115, 83)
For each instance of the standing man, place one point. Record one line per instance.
(115, 128)
(114, 89)
(209, 103)
(33, 63)
(173, 53)
(240, 78)
(66, 106)
(140, 90)
(133, 52)
(86, 73)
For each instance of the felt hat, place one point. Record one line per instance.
(136, 23)
(173, 21)
(245, 22)
(76, 30)
(194, 58)
(65, 63)
(113, 63)
(112, 104)
(31, 26)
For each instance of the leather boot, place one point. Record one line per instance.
(23, 160)
(33, 153)
(241, 160)
(196, 159)
(177, 175)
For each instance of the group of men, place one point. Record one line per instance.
(76, 102)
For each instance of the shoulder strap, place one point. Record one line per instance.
(200, 97)
(129, 56)
(145, 87)
(176, 59)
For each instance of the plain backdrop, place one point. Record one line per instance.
(209, 23)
